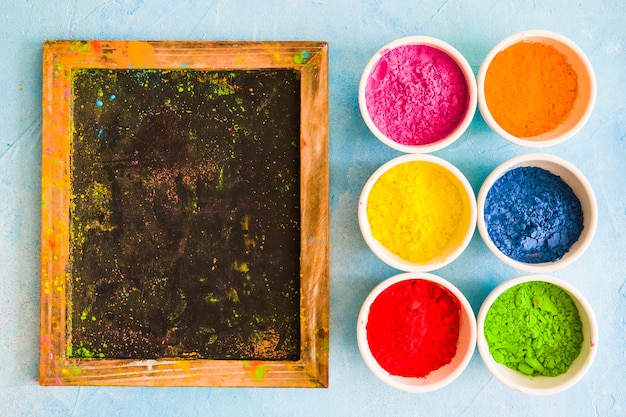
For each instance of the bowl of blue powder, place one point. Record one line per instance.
(537, 212)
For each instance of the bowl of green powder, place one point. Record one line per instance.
(536, 88)
(417, 212)
(537, 334)
(537, 212)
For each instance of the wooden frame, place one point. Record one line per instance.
(60, 58)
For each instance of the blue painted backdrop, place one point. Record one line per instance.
(355, 30)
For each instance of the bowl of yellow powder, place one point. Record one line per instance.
(537, 334)
(417, 212)
(536, 88)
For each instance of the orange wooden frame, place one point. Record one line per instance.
(59, 58)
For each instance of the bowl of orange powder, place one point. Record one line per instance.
(416, 332)
(536, 88)
(417, 212)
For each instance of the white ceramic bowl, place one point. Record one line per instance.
(541, 385)
(573, 177)
(471, 90)
(438, 378)
(458, 242)
(583, 104)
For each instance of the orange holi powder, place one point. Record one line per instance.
(530, 89)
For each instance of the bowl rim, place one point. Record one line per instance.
(492, 365)
(462, 63)
(519, 37)
(586, 236)
(383, 253)
(395, 381)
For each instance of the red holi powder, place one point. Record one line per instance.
(97, 48)
(416, 94)
(413, 328)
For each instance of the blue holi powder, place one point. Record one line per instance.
(532, 215)
(99, 103)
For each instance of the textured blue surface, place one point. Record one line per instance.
(532, 215)
(355, 30)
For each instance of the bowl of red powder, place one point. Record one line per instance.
(536, 88)
(537, 212)
(417, 213)
(417, 94)
(416, 332)
(537, 334)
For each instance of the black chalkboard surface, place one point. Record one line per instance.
(185, 224)
(176, 248)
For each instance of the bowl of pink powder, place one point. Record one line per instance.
(417, 94)
(416, 332)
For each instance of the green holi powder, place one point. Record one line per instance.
(260, 371)
(534, 328)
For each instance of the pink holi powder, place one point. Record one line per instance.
(416, 94)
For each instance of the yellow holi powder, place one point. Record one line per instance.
(415, 210)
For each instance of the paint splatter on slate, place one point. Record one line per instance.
(185, 217)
